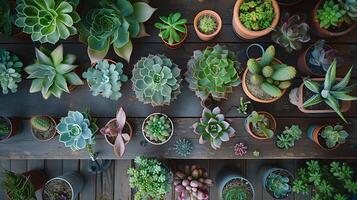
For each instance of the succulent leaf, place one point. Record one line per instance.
(10, 69)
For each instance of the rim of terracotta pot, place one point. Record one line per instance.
(8, 120)
(64, 180)
(178, 44)
(315, 138)
(213, 14)
(248, 34)
(270, 171)
(249, 129)
(95, 63)
(54, 132)
(130, 132)
(143, 127)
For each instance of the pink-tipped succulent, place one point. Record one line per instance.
(240, 149)
(192, 183)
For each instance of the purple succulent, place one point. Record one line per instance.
(320, 56)
(240, 149)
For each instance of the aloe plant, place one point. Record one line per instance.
(334, 135)
(172, 28)
(6, 19)
(10, 71)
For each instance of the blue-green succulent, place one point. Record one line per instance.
(10, 69)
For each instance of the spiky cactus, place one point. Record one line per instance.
(41, 123)
(192, 182)
(183, 147)
(157, 128)
(271, 77)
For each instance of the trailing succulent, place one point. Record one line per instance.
(10, 69)
(113, 23)
(52, 72)
(330, 91)
(18, 186)
(323, 57)
(334, 135)
(47, 20)
(212, 72)
(6, 20)
(207, 24)
(287, 139)
(260, 124)
(43, 125)
(279, 185)
(158, 128)
(256, 15)
(291, 32)
(106, 79)
(183, 147)
(213, 128)
(172, 28)
(271, 77)
(156, 80)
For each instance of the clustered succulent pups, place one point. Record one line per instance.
(256, 15)
(334, 135)
(287, 139)
(10, 71)
(158, 128)
(261, 124)
(334, 14)
(172, 29)
(278, 184)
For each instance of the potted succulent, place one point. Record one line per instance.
(266, 79)
(327, 137)
(150, 178)
(156, 80)
(316, 59)
(118, 132)
(8, 128)
(43, 127)
(332, 18)
(207, 24)
(291, 32)
(324, 95)
(255, 18)
(287, 139)
(52, 72)
(10, 71)
(260, 125)
(233, 186)
(173, 30)
(105, 78)
(330, 181)
(65, 187)
(113, 24)
(192, 182)
(213, 72)
(23, 186)
(56, 22)
(157, 128)
(213, 127)
(278, 183)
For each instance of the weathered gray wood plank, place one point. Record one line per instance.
(53, 168)
(89, 192)
(122, 190)
(19, 166)
(108, 184)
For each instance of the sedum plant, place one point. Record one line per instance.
(279, 185)
(156, 80)
(47, 20)
(330, 91)
(6, 20)
(212, 72)
(287, 139)
(106, 79)
(158, 128)
(331, 14)
(150, 179)
(207, 24)
(334, 135)
(322, 57)
(113, 23)
(10, 71)
(256, 15)
(213, 128)
(260, 124)
(18, 187)
(52, 72)
(291, 32)
(172, 29)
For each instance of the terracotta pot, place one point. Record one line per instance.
(14, 127)
(280, 171)
(250, 95)
(313, 133)
(143, 127)
(177, 45)
(130, 132)
(249, 128)
(54, 131)
(245, 33)
(93, 65)
(213, 14)
(324, 32)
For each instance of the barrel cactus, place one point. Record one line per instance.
(41, 123)
(158, 128)
(156, 80)
(278, 185)
(212, 72)
(10, 69)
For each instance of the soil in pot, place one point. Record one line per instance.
(57, 189)
(5, 128)
(284, 174)
(255, 89)
(321, 106)
(238, 185)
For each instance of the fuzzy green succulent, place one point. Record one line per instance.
(156, 80)
(47, 20)
(6, 20)
(287, 139)
(213, 128)
(213, 72)
(158, 128)
(207, 24)
(260, 124)
(271, 77)
(106, 79)
(256, 15)
(331, 14)
(172, 29)
(183, 147)
(18, 187)
(51, 72)
(278, 184)
(334, 135)
(10, 71)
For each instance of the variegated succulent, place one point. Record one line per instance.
(10, 69)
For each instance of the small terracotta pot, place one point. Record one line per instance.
(324, 32)
(213, 14)
(245, 33)
(14, 127)
(177, 45)
(54, 131)
(313, 133)
(93, 65)
(143, 128)
(249, 129)
(130, 132)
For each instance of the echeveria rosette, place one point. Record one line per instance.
(47, 20)
(156, 80)
(212, 72)
(115, 23)
(213, 128)
(10, 71)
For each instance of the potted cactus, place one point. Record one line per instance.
(52, 72)
(255, 18)
(287, 139)
(118, 132)
(65, 187)
(8, 128)
(173, 30)
(105, 78)
(10, 71)
(213, 127)
(327, 137)
(266, 79)
(192, 182)
(233, 186)
(43, 127)
(157, 128)
(260, 125)
(278, 183)
(213, 72)
(207, 24)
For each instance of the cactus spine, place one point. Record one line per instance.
(41, 123)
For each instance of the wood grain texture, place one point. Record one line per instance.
(122, 190)
(89, 189)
